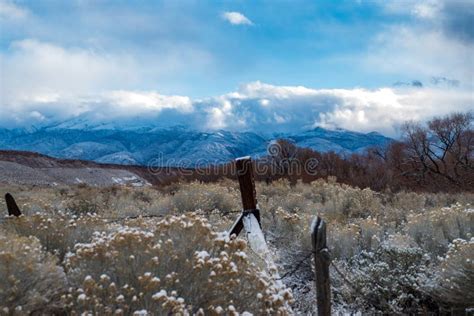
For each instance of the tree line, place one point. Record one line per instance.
(436, 156)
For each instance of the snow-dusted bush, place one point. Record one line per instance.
(386, 280)
(57, 233)
(371, 236)
(181, 266)
(454, 277)
(30, 280)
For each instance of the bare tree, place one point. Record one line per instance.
(441, 149)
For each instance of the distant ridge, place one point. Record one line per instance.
(173, 146)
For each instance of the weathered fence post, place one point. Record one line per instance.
(247, 192)
(321, 263)
(250, 220)
(12, 207)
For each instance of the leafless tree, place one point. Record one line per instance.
(441, 149)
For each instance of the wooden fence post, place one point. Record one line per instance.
(12, 207)
(321, 263)
(247, 191)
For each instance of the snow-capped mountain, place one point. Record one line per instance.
(173, 146)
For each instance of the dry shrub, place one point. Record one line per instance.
(206, 197)
(454, 279)
(341, 202)
(57, 234)
(31, 282)
(114, 201)
(335, 201)
(343, 240)
(180, 267)
(293, 202)
(408, 201)
(275, 188)
(434, 230)
(370, 233)
(346, 240)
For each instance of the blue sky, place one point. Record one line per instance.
(236, 64)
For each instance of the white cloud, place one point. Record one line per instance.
(268, 108)
(138, 102)
(11, 11)
(255, 106)
(33, 71)
(68, 81)
(236, 18)
(427, 9)
(417, 53)
(439, 43)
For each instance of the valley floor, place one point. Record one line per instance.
(141, 250)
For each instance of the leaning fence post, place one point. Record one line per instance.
(12, 207)
(248, 194)
(249, 220)
(321, 263)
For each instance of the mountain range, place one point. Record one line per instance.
(171, 146)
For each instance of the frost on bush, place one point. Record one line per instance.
(181, 266)
(30, 280)
(386, 280)
(57, 234)
(454, 278)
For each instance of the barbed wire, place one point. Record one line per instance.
(332, 262)
(290, 273)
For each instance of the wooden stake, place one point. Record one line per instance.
(321, 263)
(246, 182)
(247, 192)
(249, 220)
(12, 207)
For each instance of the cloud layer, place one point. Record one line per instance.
(255, 106)
(73, 61)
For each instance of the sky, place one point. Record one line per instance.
(274, 66)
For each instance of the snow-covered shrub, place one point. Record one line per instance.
(57, 234)
(30, 280)
(386, 280)
(181, 266)
(370, 233)
(454, 277)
